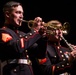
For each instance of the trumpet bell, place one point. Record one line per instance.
(52, 25)
(66, 28)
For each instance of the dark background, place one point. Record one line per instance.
(62, 10)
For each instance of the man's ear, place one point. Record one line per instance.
(7, 14)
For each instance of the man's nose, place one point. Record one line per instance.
(60, 31)
(21, 16)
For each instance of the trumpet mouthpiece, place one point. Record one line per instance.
(23, 20)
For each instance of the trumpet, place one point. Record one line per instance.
(30, 21)
(68, 44)
(65, 28)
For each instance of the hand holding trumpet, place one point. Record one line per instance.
(39, 26)
(71, 55)
(38, 23)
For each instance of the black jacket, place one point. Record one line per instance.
(17, 49)
(57, 63)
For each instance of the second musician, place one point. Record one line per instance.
(56, 62)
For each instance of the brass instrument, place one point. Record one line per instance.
(65, 28)
(30, 23)
(68, 44)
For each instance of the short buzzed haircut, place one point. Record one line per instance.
(9, 5)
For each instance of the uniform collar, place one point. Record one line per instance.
(11, 26)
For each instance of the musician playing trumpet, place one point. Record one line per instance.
(14, 43)
(58, 60)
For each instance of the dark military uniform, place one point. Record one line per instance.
(14, 46)
(37, 51)
(57, 61)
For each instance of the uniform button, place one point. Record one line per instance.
(58, 47)
(60, 51)
(14, 70)
(26, 37)
(67, 63)
(27, 56)
(55, 56)
(62, 65)
(57, 66)
(30, 34)
(62, 55)
(26, 50)
(20, 35)
(34, 31)
(63, 59)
